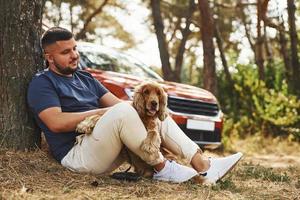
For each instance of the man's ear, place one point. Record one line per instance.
(48, 57)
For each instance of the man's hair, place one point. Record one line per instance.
(55, 34)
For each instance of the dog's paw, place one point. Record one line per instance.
(149, 146)
(87, 125)
(83, 128)
(163, 115)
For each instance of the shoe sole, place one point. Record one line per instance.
(230, 168)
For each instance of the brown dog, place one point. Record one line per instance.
(150, 102)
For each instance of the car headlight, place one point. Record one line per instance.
(129, 92)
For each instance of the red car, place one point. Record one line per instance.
(195, 110)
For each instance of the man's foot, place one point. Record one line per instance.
(219, 167)
(174, 172)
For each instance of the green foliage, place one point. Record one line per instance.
(104, 24)
(260, 107)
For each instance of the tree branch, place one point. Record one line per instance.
(81, 34)
(185, 33)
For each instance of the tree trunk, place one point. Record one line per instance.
(268, 49)
(71, 17)
(259, 42)
(20, 57)
(207, 33)
(256, 46)
(185, 34)
(247, 29)
(223, 58)
(285, 55)
(161, 39)
(294, 43)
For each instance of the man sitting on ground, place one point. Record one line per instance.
(62, 95)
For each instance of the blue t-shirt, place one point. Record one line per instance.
(78, 93)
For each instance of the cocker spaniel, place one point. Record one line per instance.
(150, 102)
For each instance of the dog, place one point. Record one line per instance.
(150, 102)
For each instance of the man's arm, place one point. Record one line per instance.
(109, 100)
(58, 121)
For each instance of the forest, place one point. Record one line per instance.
(244, 52)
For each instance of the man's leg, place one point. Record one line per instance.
(175, 140)
(100, 151)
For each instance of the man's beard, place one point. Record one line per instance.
(65, 70)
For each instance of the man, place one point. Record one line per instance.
(62, 95)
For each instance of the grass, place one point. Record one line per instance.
(226, 184)
(264, 173)
(35, 175)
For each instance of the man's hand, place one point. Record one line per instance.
(87, 125)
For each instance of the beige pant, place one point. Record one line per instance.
(100, 152)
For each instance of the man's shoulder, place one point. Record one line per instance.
(42, 74)
(40, 81)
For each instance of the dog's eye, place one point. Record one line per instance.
(146, 92)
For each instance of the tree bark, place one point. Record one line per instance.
(20, 57)
(284, 52)
(223, 58)
(207, 33)
(161, 39)
(268, 49)
(294, 43)
(259, 42)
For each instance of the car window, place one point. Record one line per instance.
(116, 62)
(97, 61)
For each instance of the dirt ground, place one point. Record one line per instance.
(268, 171)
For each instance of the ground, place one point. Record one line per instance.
(268, 170)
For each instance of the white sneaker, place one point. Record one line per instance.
(174, 172)
(219, 167)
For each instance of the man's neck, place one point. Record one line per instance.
(54, 70)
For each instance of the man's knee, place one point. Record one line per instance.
(125, 109)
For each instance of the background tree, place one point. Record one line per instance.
(82, 33)
(256, 42)
(207, 32)
(265, 104)
(89, 20)
(20, 57)
(177, 48)
(255, 60)
(294, 46)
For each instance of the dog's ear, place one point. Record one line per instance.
(163, 100)
(138, 101)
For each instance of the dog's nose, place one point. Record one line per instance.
(153, 103)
